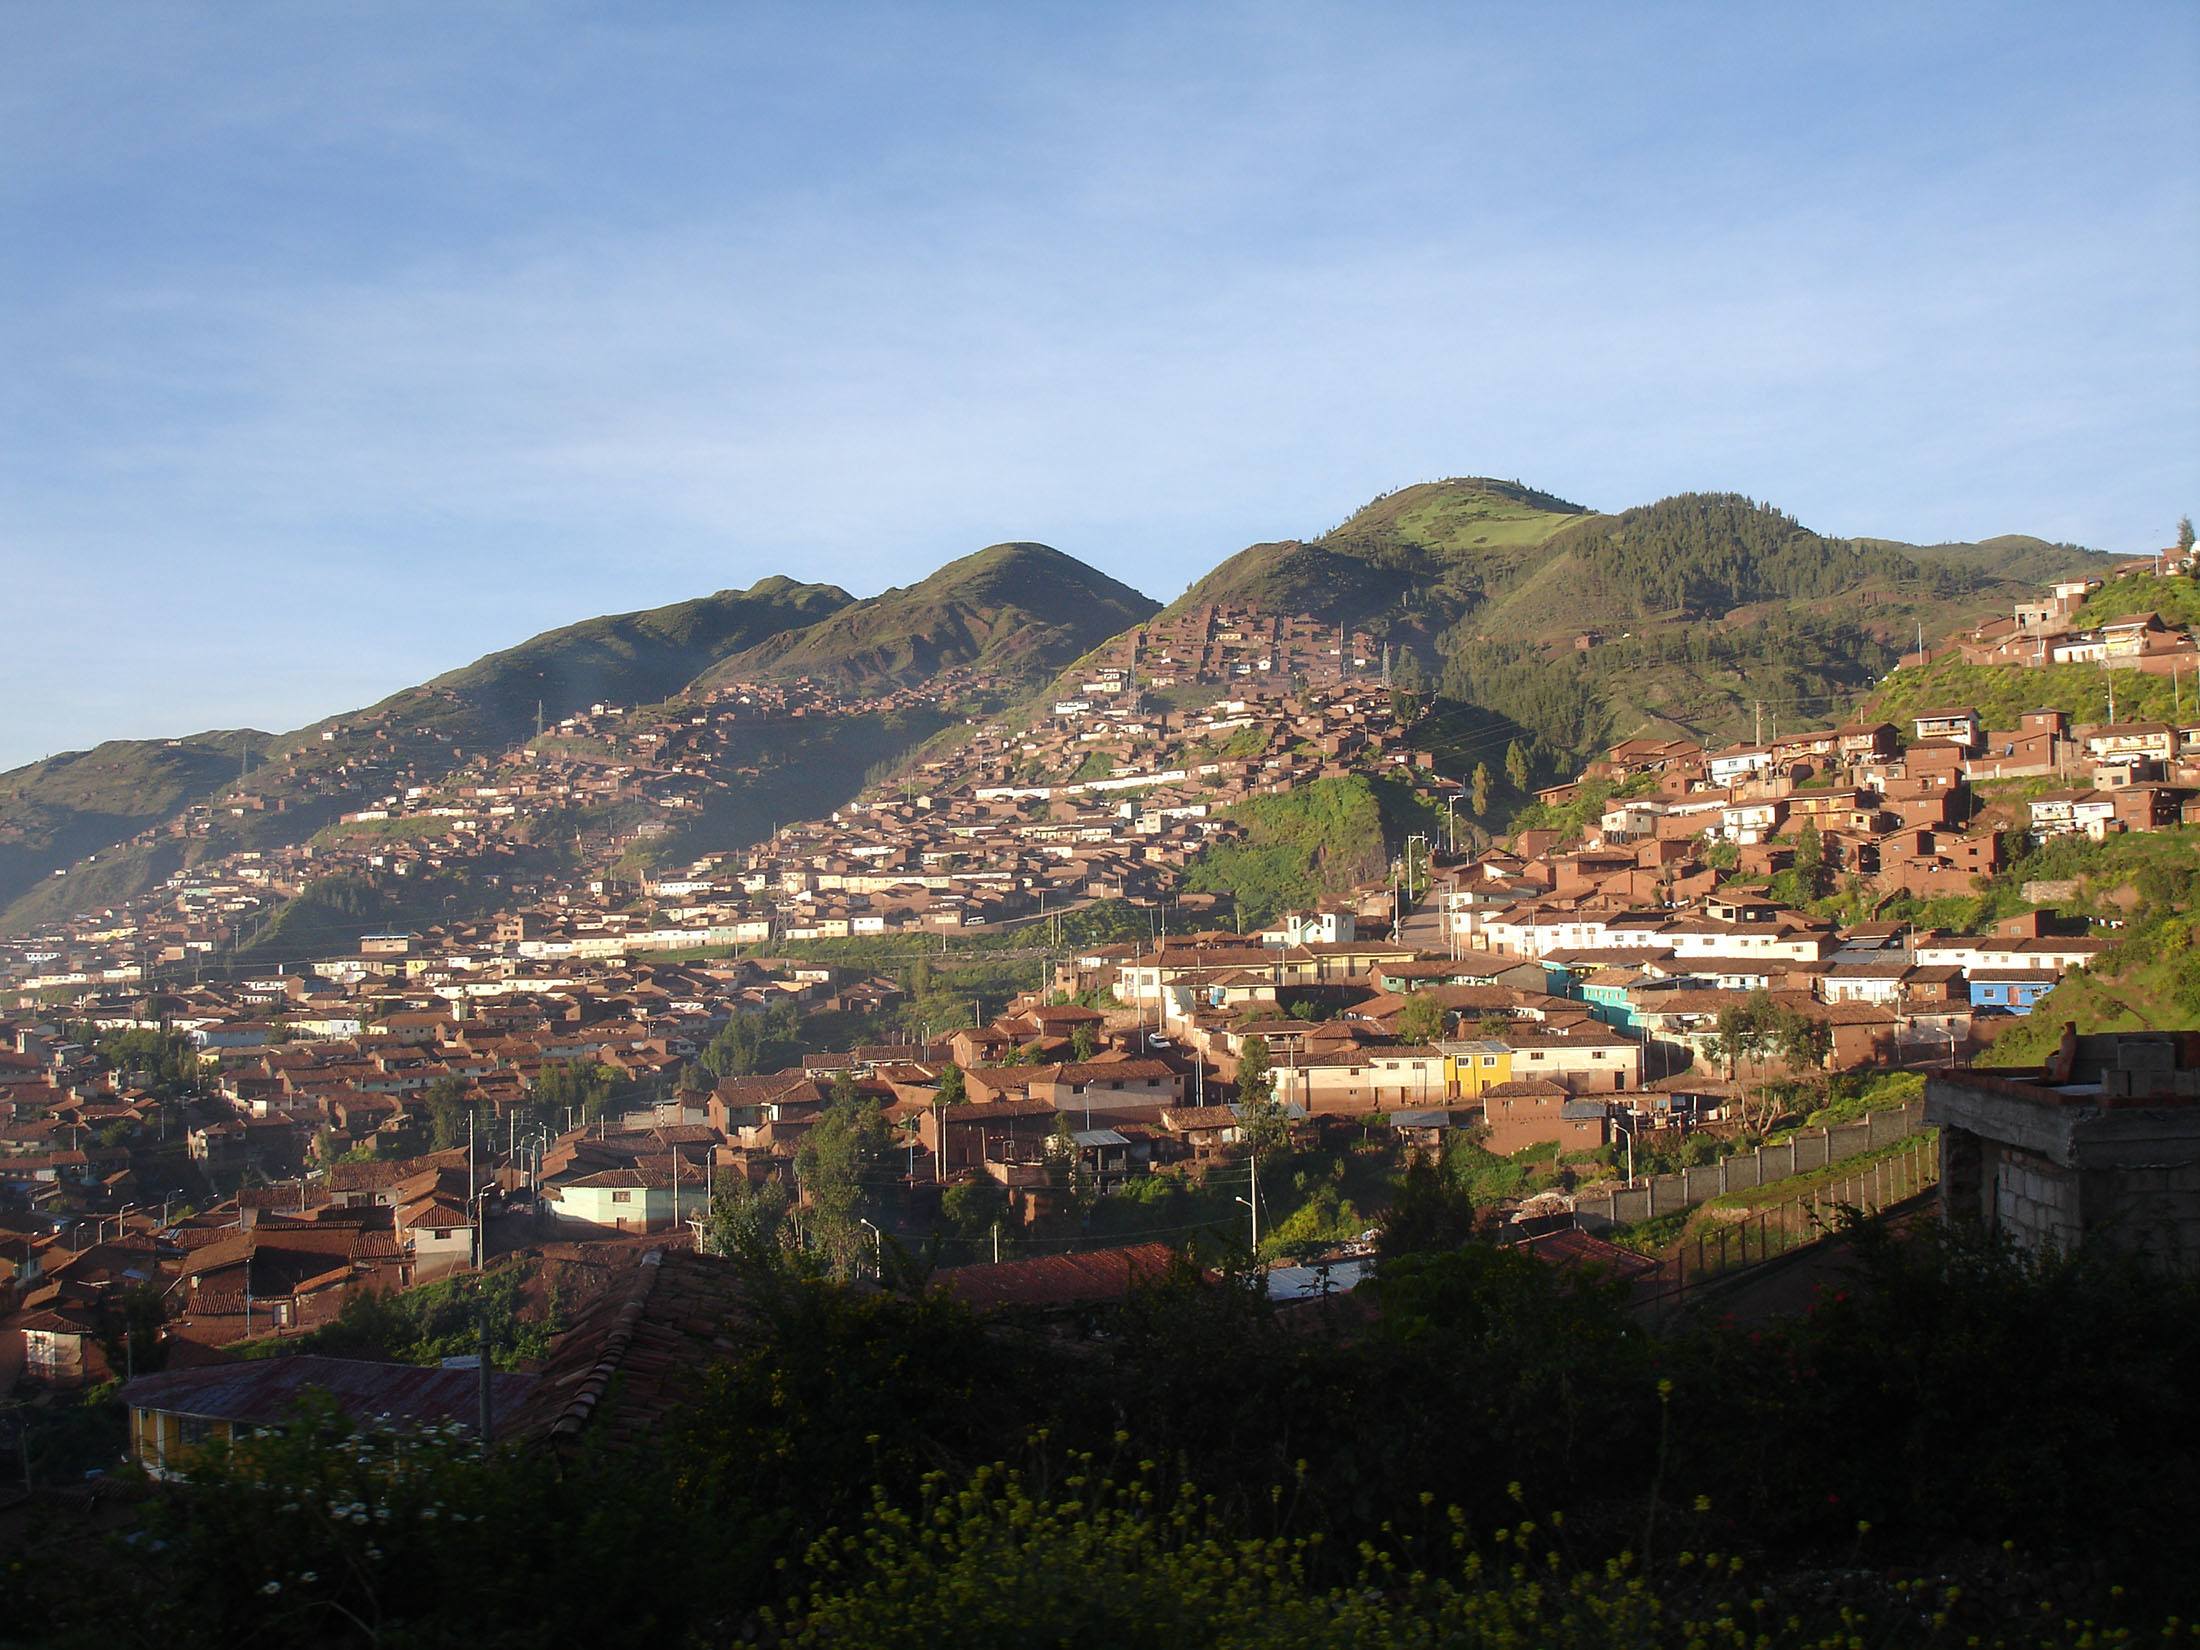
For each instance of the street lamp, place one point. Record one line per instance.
(1630, 1134)
(1451, 823)
(878, 1247)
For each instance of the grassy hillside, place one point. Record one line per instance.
(624, 659)
(2176, 600)
(328, 918)
(1020, 610)
(2149, 980)
(1306, 845)
(1421, 557)
(2001, 693)
(2156, 993)
(117, 874)
(1692, 615)
(56, 812)
(1017, 610)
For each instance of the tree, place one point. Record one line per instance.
(1431, 1214)
(1810, 860)
(747, 1223)
(1516, 765)
(843, 1149)
(973, 1207)
(2184, 534)
(1421, 1021)
(573, 1085)
(1408, 683)
(738, 1049)
(1066, 1167)
(1480, 789)
(1802, 1039)
(1261, 1121)
(445, 1103)
(1082, 1044)
(951, 1087)
(1745, 1034)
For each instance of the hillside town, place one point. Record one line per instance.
(1155, 828)
(257, 1141)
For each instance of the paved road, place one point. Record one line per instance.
(1423, 927)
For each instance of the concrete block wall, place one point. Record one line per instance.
(1700, 1182)
(1664, 1194)
(2035, 1201)
(2053, 1170)
(2152, 1209)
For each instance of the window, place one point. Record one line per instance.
(622, 1197)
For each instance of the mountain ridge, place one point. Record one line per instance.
(1019, 609)
(1496, 595)
(1009, 606)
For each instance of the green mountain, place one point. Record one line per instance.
(59, 812)
(1017, 611)
(1426, 553)
(1532, 620)
(1563, 628)
(2011, 556)
(56, 812)
(625, 659)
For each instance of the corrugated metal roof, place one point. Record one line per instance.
(1057, 1280)
(263, 1391)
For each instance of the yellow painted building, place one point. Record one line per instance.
(1475, 1065)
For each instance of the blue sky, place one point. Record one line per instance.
(341, 345)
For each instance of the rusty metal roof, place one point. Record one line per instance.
(1059, 1280)
(263, 1391)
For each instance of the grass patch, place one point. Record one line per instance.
(2002, 693)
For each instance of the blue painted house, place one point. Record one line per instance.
(1607, 994)
(2012, 993)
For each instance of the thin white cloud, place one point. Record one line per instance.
(1146, 291)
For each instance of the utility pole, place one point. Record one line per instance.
(481, 1323)
(473, 1201)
